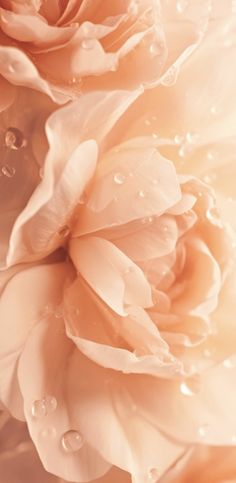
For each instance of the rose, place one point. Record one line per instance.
(202, 464)
(31, 143)
(90, 394)
(84, 45)
(123, 323)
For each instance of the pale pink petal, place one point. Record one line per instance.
(111, 274)
(103, 395)
(48, 379)
(24, 300)
(130, 184)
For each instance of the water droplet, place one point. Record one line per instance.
(154, 135)
(8, 171)
(155, 49)
(14, 138)
(72, 441)
(211, 155)
(192, 137)
(39, 409)
(41, 173)
(42, 407)
(181, 6)
(178, 139)
(147, 219)
(190, 387)
(183, 151)
(64, 231)
(209, 178)
(230, 363)
(88, 44)
(214, 110)
(202, 431)
(212, 215)
(141, 194)
(147, 122)
(49, 432)
(170, 77)
(153, 475)
(58, 312)
(119, 178)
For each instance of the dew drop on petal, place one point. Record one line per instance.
(141, 194)
(14, 138)
(39, 409)
(119, 178)
(8, 171)
(178, 139)
(154, 49)
(190, 387)
(72, 441)
(202, 430)
(49, 432)
(181, 6)
(88, 44)
(230, 363)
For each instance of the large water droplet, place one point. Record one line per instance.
(72, 441)
(14, 138)
(119, 178)
(8, 171)
(88, 44)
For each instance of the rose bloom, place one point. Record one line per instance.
(82, 44)
(117, 334)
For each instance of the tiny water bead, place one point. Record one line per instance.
(119, 178)
(133, 7)
(203, 430)
(14, 138)
(42, 407)
(141, 194)
(88, 44)
(8, 171)
(72, 441)
(230, 363)
(49, 432)
(181, 6)
(190, 387)
(155, 49)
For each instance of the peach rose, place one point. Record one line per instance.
(83, 44)
(117, 334)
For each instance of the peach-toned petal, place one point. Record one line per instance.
(193, 411)
(23, 302)
(130, 184)
(111, 274)
(17, 68)
(48, 379)
(63, 183)
(103, 395)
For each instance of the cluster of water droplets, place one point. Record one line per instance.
(71, 440)
(14, 140)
